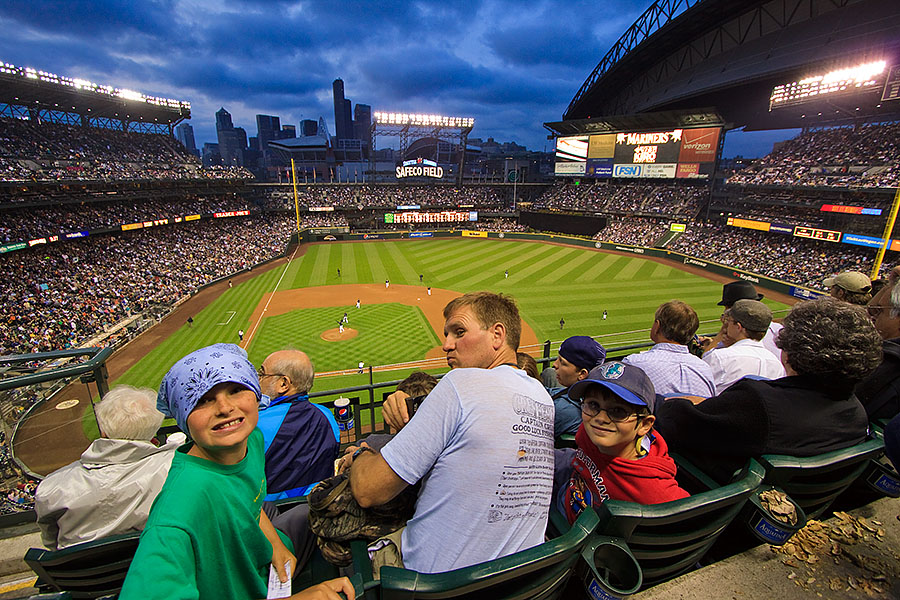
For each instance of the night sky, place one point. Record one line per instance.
(511, 65)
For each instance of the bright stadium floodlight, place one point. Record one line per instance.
(847, 80)
(421, 120)
(83, 84)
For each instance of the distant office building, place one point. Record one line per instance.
(362, 124)
(268, 128)
(210, 156)
(343, 119)
(184, 133)
(308, 127)
(288, 132)
(223, 120)
(232, 140)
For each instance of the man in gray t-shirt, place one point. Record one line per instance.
(481, 443)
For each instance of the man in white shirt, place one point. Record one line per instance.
(744, 325)
(481, 442)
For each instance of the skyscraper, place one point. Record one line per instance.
(340, 119)
(184, 133)
(362, 124)
(232, 141)
(268, 128)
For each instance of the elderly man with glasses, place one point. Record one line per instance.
(301, 438)
(880, 391)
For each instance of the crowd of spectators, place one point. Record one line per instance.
(639, 231)
(34, 222)
(60, 295)
(683, 200)
(867, 156)
(797, 260)
(390, 196)
(44, 151)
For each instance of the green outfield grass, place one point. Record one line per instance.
(549, 281)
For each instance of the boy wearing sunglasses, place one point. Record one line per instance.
(618, 455)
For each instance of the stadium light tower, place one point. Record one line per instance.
(407, 126)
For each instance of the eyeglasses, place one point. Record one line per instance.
(260, 373)
(617, 414)
(875, 310)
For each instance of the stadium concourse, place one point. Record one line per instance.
(75, 270)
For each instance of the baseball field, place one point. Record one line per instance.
(300, 304)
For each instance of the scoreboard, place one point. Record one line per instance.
(447, 216)
(670, 154)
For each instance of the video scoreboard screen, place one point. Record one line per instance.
(671, 154)
(447, 216)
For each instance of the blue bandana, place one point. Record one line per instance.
(197, 373)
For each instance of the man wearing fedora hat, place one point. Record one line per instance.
(731, 293)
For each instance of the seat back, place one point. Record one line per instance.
(814, 482)
(88, 570)
(668, 539)
(541, 572)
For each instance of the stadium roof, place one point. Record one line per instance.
(639, 122)
(730, 54)
(29, 88)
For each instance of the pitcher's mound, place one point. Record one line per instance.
(334, 335)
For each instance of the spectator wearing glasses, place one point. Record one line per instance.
(880, 391)
(744, 326)
(827, 347)
(301, 439)
(618, 455)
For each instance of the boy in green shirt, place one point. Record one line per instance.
(207, 536)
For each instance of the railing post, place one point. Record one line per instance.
(546, 354)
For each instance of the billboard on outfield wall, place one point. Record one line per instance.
(669, 154)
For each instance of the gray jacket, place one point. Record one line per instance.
(108, 491)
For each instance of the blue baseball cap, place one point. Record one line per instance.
(582, 351)
(628, 382)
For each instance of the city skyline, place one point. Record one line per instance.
(510, 65)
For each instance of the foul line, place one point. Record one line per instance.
(266, 307)
(229, 318)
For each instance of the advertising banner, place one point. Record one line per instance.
(76, 234)
(699, 145)
(131, 226)
(475, 234)
(602, 146)
(862, 240)
(420, 234)
(11, 247)
(749, 224)
(599, 167)
(570, 168)
(781, 228)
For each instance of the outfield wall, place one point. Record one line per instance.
(775, 285)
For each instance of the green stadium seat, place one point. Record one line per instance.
(565, 440)
(89, 570)
(814, 482)
(540, 572)
(668, 539)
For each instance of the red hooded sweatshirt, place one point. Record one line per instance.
(597, 477)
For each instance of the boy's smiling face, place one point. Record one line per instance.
(221, 423)
(615, 438)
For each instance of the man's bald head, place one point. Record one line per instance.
(285, 373)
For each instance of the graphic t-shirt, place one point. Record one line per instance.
(482, 444)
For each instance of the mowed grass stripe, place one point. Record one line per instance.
(363, 270)
(518, 263)
(575, 261)
(408, 272)
(348, 262)
(373, 259)
(603, 262)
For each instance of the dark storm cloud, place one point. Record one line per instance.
(104, 18)
(511, 64)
